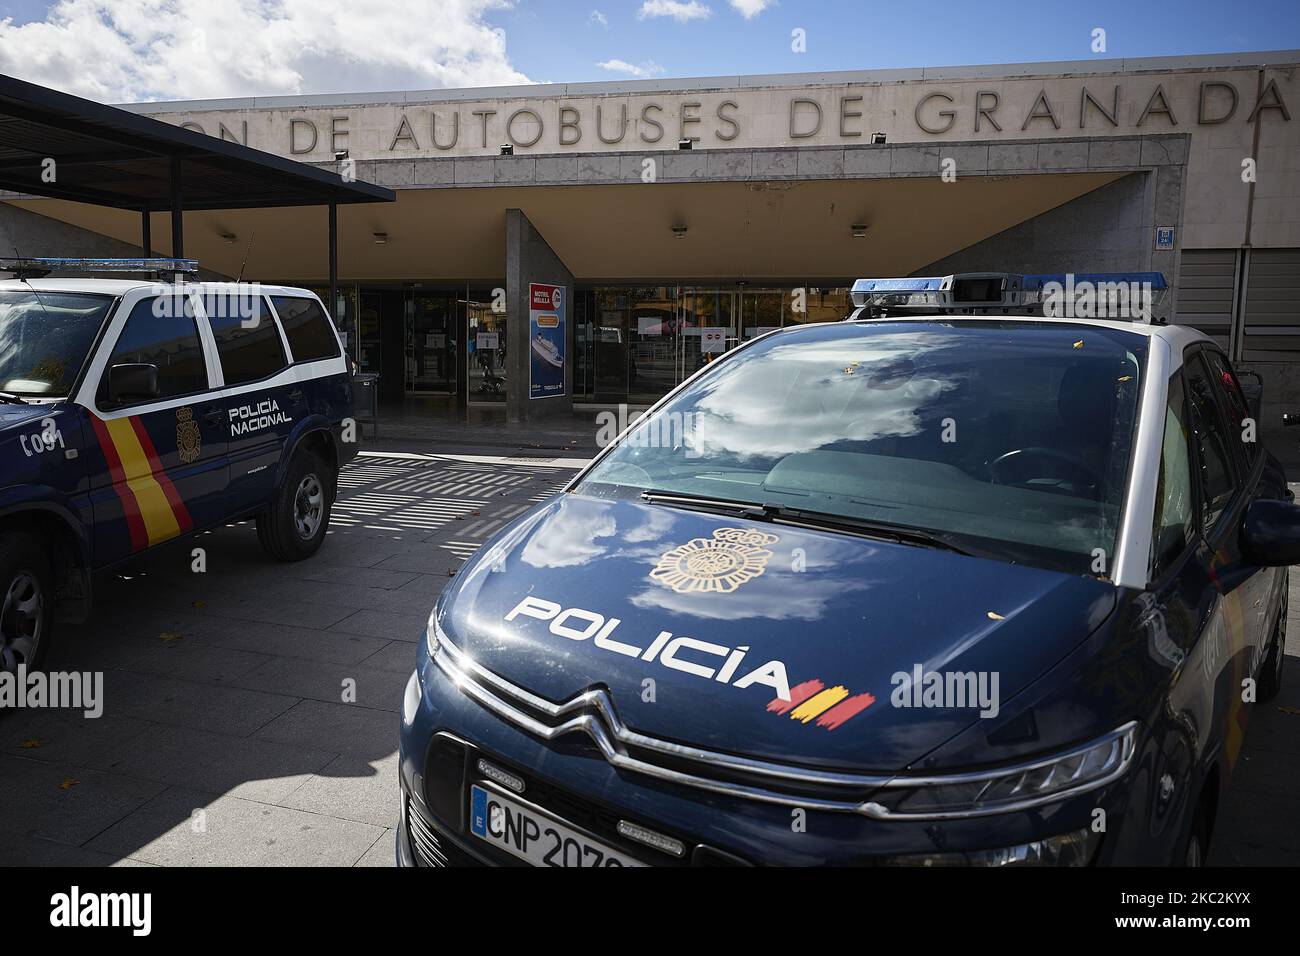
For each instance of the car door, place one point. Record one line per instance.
(1229, 639)
(261, 397)
(1266, 584)
(158, 461)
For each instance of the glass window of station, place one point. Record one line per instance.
(634, 344)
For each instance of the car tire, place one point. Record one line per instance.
(26, 601)
(1197, 845)
(294, 526)
(1270, 677)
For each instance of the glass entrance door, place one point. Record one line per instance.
(707, 327)
(430, 360)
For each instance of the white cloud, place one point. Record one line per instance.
(649, 68)
(751, 8)
(599, 19)
(131, 50)
(678, 10)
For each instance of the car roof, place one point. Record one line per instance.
(123, 286)
(1178, 337)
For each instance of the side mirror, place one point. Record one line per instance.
(132, 383)
(1270, 533)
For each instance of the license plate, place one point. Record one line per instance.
(534, 836)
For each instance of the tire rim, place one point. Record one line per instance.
(21, 621)
(308, 507)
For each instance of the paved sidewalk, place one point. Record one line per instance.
(225, 737)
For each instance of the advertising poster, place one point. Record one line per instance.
(546, 340)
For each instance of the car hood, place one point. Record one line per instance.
(840, 615)
(13, 415)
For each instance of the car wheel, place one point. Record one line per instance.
(26, 602)
(1198, 841)
(293, 528)
(1270, 678)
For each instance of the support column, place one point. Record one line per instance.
(531, 261)
(334, 261)
(178, 225)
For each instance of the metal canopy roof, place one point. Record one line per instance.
(112, 157)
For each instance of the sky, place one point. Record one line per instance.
(134, 50)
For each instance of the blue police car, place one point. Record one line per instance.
(952, 582)
(134, 412)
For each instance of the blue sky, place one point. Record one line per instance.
(131, 50)
(556, 40)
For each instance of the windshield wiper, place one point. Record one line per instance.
(823, 520)
(12, 399)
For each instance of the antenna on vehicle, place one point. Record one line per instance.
(247, 250)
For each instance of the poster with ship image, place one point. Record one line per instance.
(546, 340)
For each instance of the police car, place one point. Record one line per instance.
(953, 582)
(133, 412)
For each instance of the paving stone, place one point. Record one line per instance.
(63, 802)
(351, 789)
(349, 728)
(230, 710)
(374, 687)
(236, 832)
(237, 766)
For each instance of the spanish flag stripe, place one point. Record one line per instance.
(159, 519)
(155, 465)
(818, 703)
(134, 522)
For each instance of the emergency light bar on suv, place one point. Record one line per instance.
(26, 268)
(1007, 293)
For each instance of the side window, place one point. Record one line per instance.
(168, 340)
(247, 338)
(1213, 444)
(307, 327)
(1235, 408)
(1175, 511)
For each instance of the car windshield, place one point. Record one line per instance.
(44, 339)
(1009, 439)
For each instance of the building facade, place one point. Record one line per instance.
(599, 242)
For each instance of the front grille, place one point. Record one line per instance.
(425, 845)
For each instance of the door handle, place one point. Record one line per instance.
(214, 416)
(296, 396)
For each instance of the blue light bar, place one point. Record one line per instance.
(929, 284)
(46, 265)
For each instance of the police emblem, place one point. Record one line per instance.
(718, 565)
(189, 440)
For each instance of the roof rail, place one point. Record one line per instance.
(1123, 296)
(37, 268)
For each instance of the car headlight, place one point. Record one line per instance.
(1068, 849)
(1008, 789)
(434, 635)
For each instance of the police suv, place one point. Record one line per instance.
(976, 577)
(133, 412)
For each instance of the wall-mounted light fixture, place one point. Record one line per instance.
(381, 238)
(340, 155)
(859, 230)
(686, 144)
(229, 238)
(679, 232)
(507, 149)
(877, 139)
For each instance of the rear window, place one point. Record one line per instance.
(247, 339)
(307, 327)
